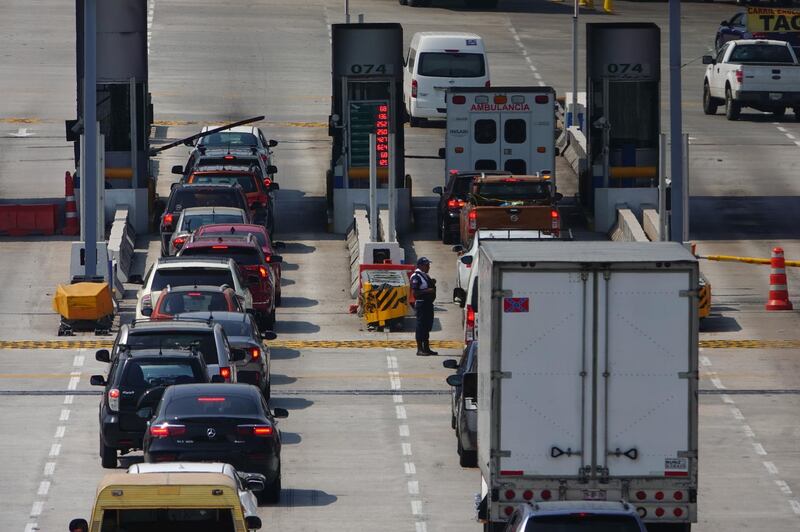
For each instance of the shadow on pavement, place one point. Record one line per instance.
(290, 403)
(295, 327)
(716, 323)
(283, 353)
(295, 497)
(276, 379)
(743, 218)
(298, 302)
(290, 438)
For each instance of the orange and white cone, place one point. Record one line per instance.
(778, 291)
(70, 210)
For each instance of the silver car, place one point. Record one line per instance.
(193, 217)
(575, 516)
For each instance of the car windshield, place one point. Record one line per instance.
(237, 327)
(241, 255)
(246, 181)
(212, 405)
(225, 139)
(193, 221)
(164, 277)
(451, 65)
(149, 373)
(168, 520)
(222, 197)
(512, 190)
(583, 522)
(178, 302)
(203, 341)
(761, 53)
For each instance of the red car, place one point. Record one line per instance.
(251, 260)
(268, 247)
(183, 299)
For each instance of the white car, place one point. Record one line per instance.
(193, 218)
(239, 138)
(189, 271)
(247, 483)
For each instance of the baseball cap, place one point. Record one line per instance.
(422, 261)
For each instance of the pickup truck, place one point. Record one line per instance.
(761, 74)
(510, 202)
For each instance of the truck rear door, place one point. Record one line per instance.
(644, 355)
(542, 360)
(485, 141)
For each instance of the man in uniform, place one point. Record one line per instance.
(424, 289)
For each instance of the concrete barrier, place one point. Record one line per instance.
(627, 228)
(357, 235)
(652, 224)
(575, 150)
(122, 242)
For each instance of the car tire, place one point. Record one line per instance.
(452, 420)
(271, 494)
(269, 323)
(108, 456)
(278, 299)
(709, 104)
(796, 111)
(732, 108)
(267, 391)
(778, 113)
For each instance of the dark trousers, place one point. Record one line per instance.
(424, 312)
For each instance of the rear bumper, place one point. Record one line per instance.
(113, 436)
(268, 465)
(765, 99)
(426, 109)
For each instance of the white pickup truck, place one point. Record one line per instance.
(761, 74)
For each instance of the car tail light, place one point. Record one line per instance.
(179, 242)
(546, 495)
(226, 374)
(510, 494)
(165, 430)
(510, 180)
(210, 399)
(168, 219)
(473, 221)
(113, 399)
(459, 99)
(255, 353)
(147, 300)
(219, 247)
(555, 221)
(659, 512)
(263, 272)
(488, 83)
(541, 98)
(527, 495)
(229, 157)
(194, 294)
(455, 203)
(469, 329)
(262, 431)
(413, 88)
(739, 75)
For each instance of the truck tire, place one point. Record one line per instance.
(796, 111)
(673, 527)
(468, 458)
(732, 108)
(709, 104)
(495, 527)
(108, 456)
(779, 112)
(419, 3)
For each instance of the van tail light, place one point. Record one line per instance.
(459, 99)
(255, 353)
(488, 83)
(413, 88)
(469, 329)
(542, 98)
(555, 221)
(739, 75)
(113, 399)
(168, 219)
(165, 430)
(225, 373)
(262, 271)
(261, 431)
(473, 221)
(455, 203)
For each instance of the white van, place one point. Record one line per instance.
(437, 61)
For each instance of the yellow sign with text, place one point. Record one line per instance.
(769, 20)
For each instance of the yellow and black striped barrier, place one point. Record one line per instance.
(384, 296)
(704, 299)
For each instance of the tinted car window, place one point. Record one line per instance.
(225, 139)
(761, 53)
(193, 221)
(246, 181)
(513, 190)
(262, 239)
(173, 519)
(236, 327)
(450, 65)
(189, 277)
(176, 303)
(485, 164)
(516, 166)
(515, 131)
(195, 198)
(461, 186)
(241, 255)
(212, 405)
(583, 523)
(149, 373)
(202, 340)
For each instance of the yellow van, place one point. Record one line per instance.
(168, 502)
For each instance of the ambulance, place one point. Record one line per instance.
(501, 128)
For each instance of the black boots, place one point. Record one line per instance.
(427, 345)
(424, 349)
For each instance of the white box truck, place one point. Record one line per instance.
(587, 377)
(501, 128)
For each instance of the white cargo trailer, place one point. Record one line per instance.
(587, 377)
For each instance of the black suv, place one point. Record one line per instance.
(137, 379)
(187, 195)
(451, 198)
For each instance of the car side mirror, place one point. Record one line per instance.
(177, 169)
(459, 296)
(558, 196)
(280, 413)
(450, 363)
(441, 153)
(469, 381)
(188, 143)
(102, 355)
(254, 484)
(78, 525)
(97, 380)
(467, 259)
(238, 354)
(252, 522)
(438, 190)
(272, 169)
(708, 60)
(275, 259)
(217, 379)
(458, 248)
(725, 23)
(268, 335)
(454, 380)
(272, 143)
(274, 186)
(144, 413)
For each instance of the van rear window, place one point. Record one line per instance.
(451, 65)
(172, 519)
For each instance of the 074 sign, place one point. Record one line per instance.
(627, 70)
(367, 69)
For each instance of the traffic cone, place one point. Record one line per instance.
(70, 210)
(778, 291)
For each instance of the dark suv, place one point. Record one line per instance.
(451, 198)
(187, 195)
(137, 379)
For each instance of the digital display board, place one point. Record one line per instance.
(365, 118)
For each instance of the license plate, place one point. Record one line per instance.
(775, 95)
(594, 495)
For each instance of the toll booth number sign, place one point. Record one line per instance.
(366, 117)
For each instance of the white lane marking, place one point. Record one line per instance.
(748, 431)
(717, 383)
(790, 136)
(416, 507)
(726, 399)
(528, 59)
(781, 129)
(410, 468)
(413, 487)
(403, 429)
(68, 399)
(55, 449)
(394, 380)
(73, 383)
(773, 470)
(31, 527)
(391, 362)
(541, 83)
(737, 414)
(406, 449)
(49, 469)
(797, 142)
(784, 487)
(401, 412)
(759, 449)
(64, 415)
(524, 52)
(795, 506)
(60, 432)
(151, 8)
(421, 526)
(36, 509)
(537, 75)
(44, 487)
(78, 361)
(397, 398)
(704, 360)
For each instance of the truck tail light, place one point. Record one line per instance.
(262, 431)
(473, 221)
(455, 203)
(459, 99)
(113, 399)
(678, 495)
(413, 88)
(659, 512)
(677, 512)
(165, 430)
(555, 221)
(500, 99)
(225, 373)
(546, 495)
(527, 495)
(739, 75)
(510, 494)
(469, 329)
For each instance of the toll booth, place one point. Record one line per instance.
(623, 71)
(367, 90)
(124, 109)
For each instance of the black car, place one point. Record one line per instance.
(228, 423)
(137, 379)
(463, 404)
(188, 195)
(451, 198)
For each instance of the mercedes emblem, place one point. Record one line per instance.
(211, 432)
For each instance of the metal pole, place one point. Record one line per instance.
(574, 114)
(134, 134)
(89, 179)
(347, 11)
(391, 237)
(663, 228)
(373, 190)
(675, 125)
(685, 195)
(606, 136)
